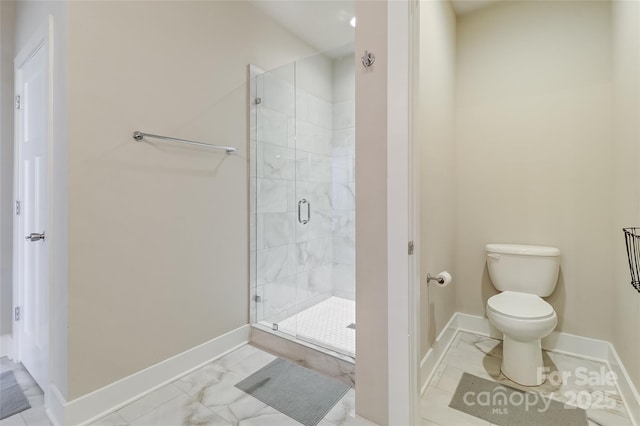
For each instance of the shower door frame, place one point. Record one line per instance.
(306, 196)
(258, 296)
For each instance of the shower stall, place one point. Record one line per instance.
(302, 200)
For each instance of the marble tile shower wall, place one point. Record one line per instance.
(344, 205)
(296, 153)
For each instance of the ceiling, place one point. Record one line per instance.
(323, 24)
(467, 6)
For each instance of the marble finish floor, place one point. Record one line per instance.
(34, 416)
(584, 384)
(208, 397)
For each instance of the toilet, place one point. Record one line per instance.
(524, 274)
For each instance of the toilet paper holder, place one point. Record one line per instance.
(437, 278)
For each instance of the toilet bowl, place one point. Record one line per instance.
(524, 274)
(524, 319)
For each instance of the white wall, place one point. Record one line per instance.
(158, 232)
(436, 139)
(626, 146)
(372, 388)
(533, 150)
(7, 21)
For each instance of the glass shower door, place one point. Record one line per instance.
(314, 225)
(303, 229)
(276, 214)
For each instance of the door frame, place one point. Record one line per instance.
(413, 169)
(42, 38)
(402, 214)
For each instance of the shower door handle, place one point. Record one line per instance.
(300, 219)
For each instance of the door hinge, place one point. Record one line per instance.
(17, 101)
(411, 247)
(17, 314)
(17, 208)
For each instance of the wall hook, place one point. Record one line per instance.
(368, 59)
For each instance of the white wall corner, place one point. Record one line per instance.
(628, 392)
(6, 346)
(55, 404)
(436, 352)
(91, 407)
(402, 407)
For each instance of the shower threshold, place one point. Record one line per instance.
(304, 353)
(283, 343)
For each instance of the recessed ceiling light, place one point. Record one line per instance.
(353, 22)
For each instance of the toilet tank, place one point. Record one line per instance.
(523, 268)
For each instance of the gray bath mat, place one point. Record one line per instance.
(12, 399)
(507, 406)
(295, 391)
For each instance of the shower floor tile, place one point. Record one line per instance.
(327, 324)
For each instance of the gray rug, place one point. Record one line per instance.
(12, 399)
(295, 391)
(507, 406)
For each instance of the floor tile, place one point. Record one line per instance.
(343, 409)
(180, 411)
(567, 382)
(354, 421)
(238, 355)
(15, 420)
(253, 363)
(208, 396)
(269, 417)
(449, 379)
(36, 417)
(606, 417)
(243, 408)
(435, 408)
(113, 419)
(149, 402)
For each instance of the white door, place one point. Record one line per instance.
(32, 138)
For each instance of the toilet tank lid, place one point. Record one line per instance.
(523, 250)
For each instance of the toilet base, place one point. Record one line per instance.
(522, 361)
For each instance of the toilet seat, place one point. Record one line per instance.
(520, 305)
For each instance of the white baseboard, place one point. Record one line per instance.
(566, 343)
(6, 346)
(90, 407)
(436, 352)
(629, 392)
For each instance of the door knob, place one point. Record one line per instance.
(34, 236)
